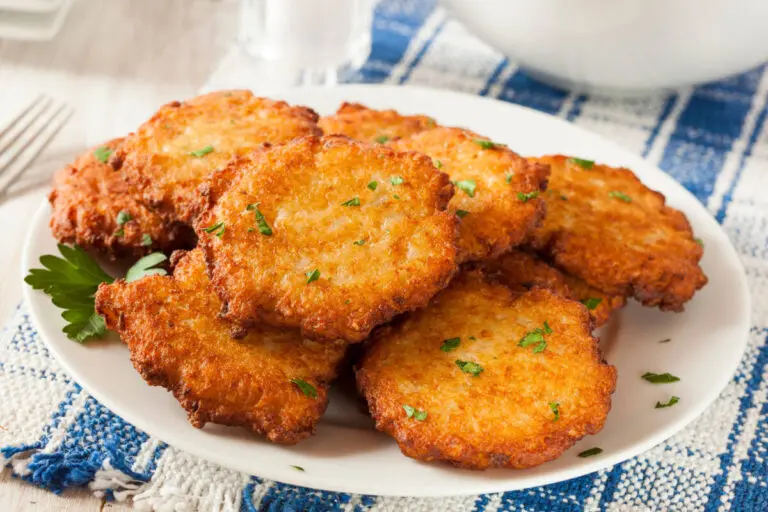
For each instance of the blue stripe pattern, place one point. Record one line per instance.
(703, 136)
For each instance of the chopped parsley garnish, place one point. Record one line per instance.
(396, 180)
(372, 185)
(669, 403)
(438, 163)
(536, 337)
(414, 413)
(527, 196)
(665, 340)
(298, 468)
(146, 266)
(431, 122)
(450, 344)
(120, 232)
(146, 240)
(584, 164)
(381, 139)
(123, 217)
(508, 177)
(261, 222)
(396, 196)
(591, 302)
(563, 197)
(359, 242)
(312, 275)
(699, 241)
(487, 144)
(462, 213)
(469, 367)
(468, 186)
(660, 378)
(102, 154)
(591, 452)
(217, 229)
(202, 152)
(251, 230)
(355, 201)
(555, 407)
(620, 195)
(472, 338)
(305, 387)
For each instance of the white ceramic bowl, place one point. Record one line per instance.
(622, 46)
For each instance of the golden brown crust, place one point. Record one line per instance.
(503, 416)
(177, 341)
(87, 197)
(639, 248)
(158, 161)
(368, 125)
(407, 240)
(506, 203)
(521, 271)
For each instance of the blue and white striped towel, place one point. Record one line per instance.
(712, 138)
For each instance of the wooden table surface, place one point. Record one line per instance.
(114, 62)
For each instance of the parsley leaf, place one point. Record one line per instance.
(120, 232)
(469, 367)
(669, 403)
(355, 201)
(202, 152)
(146, 240)
(527, 196)
(359, 242)
(591, 452)
(450, 344)
(372, 185)
(555, 406)
(217, 229)
(699, 241)
(396, 197)
(467, 186)
(487, 144)
(381, 139)
(414, 413)
(298, 468)
(312, 275)
(146, 266)
(396, 180)
(620, 195)
(438, 163)
(660, 378)
(102, 154)
(508, 177)
(536, 337)
(123, 217)
(462, 213)
(261, 222)
(305, 387)
(584, 164)
(591, 302)
(71, 282)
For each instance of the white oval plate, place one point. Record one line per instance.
(347, 454)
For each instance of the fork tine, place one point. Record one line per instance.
(29, 122)
(58, 121)
(21, 114)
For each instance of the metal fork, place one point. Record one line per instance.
(25, 137)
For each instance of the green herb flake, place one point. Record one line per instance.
(123, 217)
(470, 367)
(146, 240)
(396, 197)
(382, 139)
(536, 337)
(396, 180)
(312, 275)
(355, 201)
(102, 154)
(261, 222)
(120, 232)
(450, 344)
(217, 229)
(146, 266)
(669, 403)
(555, 407)
(584, 164)
(660, 378)
(298, 468)
(372, 185)
(472, 338)
(620, 195)
(414, 413)
(591, 452)
(359, 242)
(347, 301)
(699, 241)
(563, 197)
(438, 163)
(468, 186)
(305, 387)
(202, 152)
(508, 177)
(462, 213)
(487, 144)
(591, 302)
(527, 196)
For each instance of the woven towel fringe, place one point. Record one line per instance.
(118, 483)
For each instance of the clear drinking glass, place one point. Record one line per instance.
(307, 41)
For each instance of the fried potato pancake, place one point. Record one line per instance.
(452, 383)
(368, 125)
(169, 155)
(328, 234)
(498, 200)
(521, 271)
(172, 327)
(93, 207)
(604, 226)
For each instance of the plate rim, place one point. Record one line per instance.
(501, 485)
